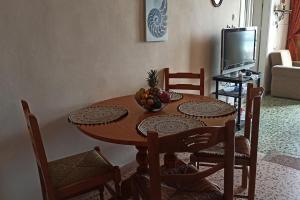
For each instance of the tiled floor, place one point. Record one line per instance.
(274, 181)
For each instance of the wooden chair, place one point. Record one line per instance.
(184, 181)
(73, 175)
(246, 145)
(200, 76)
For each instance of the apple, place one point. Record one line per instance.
(157, 103)
(165, 97)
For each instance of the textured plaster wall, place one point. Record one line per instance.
(277, 39)
(278, 36)
(62, 55)
(272, 38)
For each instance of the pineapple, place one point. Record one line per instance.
(150, 99)
(152, 80)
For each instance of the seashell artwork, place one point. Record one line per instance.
(156, 20)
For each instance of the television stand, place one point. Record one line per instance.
(237, 95)
(232, 75)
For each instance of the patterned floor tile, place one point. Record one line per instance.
(274, 181)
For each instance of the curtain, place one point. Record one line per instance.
(294, 29)
(246, 13)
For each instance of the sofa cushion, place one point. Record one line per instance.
(286, 58)
(296, 63)
(284, 72)
(281, 57)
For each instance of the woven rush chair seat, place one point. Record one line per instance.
(78, 168)
(242, 149)
(73, 175)
(245, 145)
(200, 189)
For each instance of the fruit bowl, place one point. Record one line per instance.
(153, 109)
(153, 99)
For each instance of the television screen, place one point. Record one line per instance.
(238, 49)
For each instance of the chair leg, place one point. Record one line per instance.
(135, 196)
(134, 191)
(117, 180)
(197, 165)
(252, 179)
(42, 185)
(118, 190)
(101, 192)
(244, 176)
(193, 162)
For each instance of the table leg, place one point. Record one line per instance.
(239, 107)
(170, 160)
(142, 159)
(217, 89)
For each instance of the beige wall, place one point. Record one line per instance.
(277, 39)
(61, 55)
(272, 38)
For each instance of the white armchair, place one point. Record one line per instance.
(285, 75)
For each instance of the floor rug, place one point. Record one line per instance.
(280, 126)
(281, 159)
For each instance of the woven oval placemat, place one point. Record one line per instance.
(95, 115)
(207, 108)
(168, 124)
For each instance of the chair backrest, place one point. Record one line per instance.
(281, 57)
(249, 115)
(200, 76)
(39, 151)
(254, 96)
(192, 141)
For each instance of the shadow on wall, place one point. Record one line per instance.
(215, 57)
(18, 166)
(141, 18)
(18, 169)
(215, 61)
(161, 77)
(268, 76)
(205, 49)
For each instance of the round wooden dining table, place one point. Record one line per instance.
(124, 131)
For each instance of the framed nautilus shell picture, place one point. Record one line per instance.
(156, 20)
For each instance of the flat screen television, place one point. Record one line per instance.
(238, 49)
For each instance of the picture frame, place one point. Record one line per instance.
(156, 19)
(216, 3)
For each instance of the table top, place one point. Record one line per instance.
(124, 130)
